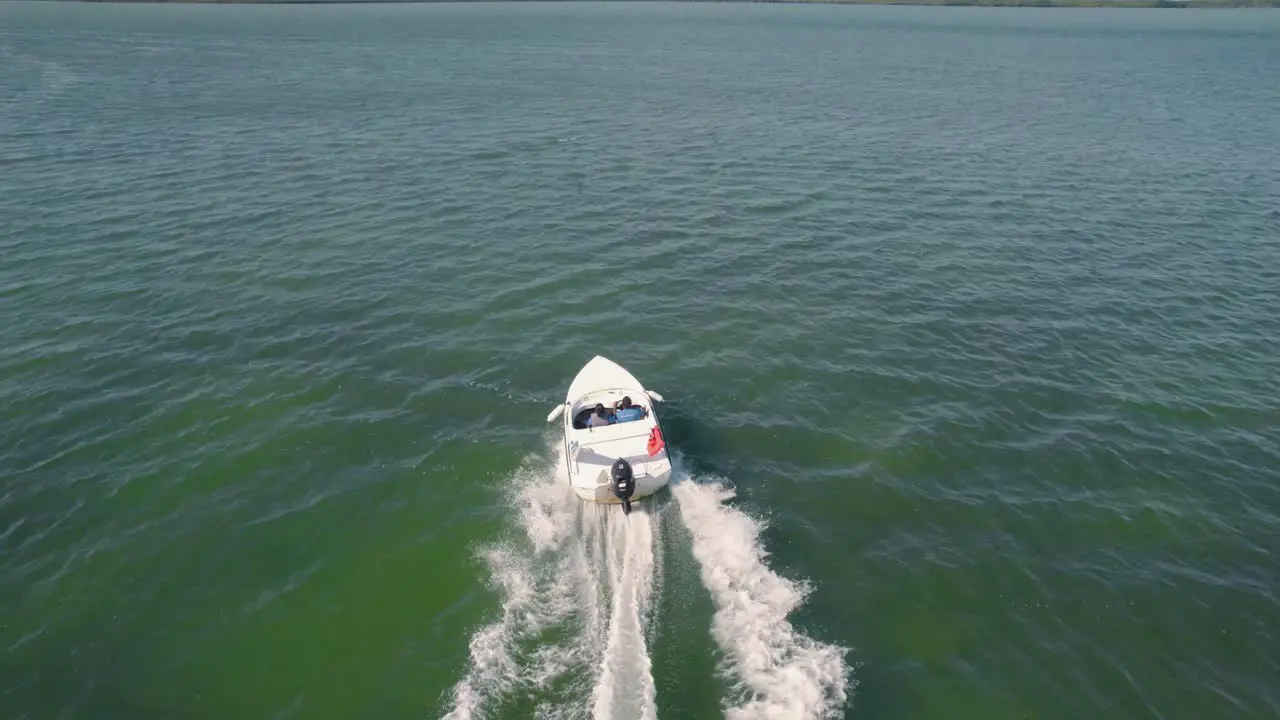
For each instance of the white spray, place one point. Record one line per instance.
(585, 570)
(577, 586)
(782, 674)
(625, 687)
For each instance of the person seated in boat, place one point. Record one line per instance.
(625, 411)
(600, 417)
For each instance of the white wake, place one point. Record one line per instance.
(537, 576)
(780, 673)
(625, 687)
(575, 586)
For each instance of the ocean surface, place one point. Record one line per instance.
(968, 323)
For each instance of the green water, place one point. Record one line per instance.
(976, 311)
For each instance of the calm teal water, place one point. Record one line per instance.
(967, 320)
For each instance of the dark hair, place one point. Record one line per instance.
(626, 401)
(600, 410)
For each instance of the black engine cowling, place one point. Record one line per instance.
(622, 483)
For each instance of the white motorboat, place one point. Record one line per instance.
(621, 461)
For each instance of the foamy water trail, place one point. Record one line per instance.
(540, 579)
(575, 588)
(625, 686)
(781, 673)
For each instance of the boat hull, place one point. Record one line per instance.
(589, 453)
(645, 487)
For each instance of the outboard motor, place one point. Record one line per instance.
(622, 483)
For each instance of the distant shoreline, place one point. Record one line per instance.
(1163, 4)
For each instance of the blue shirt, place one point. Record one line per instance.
(629, 414)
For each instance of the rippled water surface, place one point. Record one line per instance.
(968, 322)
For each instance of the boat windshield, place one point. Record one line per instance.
(632, 414)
